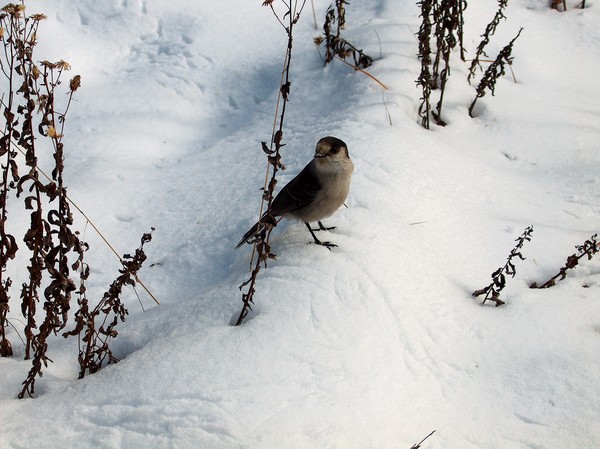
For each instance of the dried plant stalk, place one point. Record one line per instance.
(274, 164)
(425, 77)
(492, 291)
(588, 249)
(448, 20)
(11, 24)
(494, 71)
(58, 242)
(418, 445)
(488, 33)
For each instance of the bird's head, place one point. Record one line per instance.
(332, 149)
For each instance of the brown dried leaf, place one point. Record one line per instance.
(75, 83)
(5, 348)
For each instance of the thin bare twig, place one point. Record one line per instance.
(364, 72)
(418, 445)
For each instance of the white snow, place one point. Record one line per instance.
(378, 342)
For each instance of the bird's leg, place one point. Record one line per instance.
(323, 228)
(327, 245)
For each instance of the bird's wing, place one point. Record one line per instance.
(298, 193)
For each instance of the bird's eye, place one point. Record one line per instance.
(334, 150)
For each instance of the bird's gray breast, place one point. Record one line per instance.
(335, 185)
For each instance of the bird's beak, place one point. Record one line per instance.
(319, 154)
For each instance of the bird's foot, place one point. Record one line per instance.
(327, 245)
(323, 228)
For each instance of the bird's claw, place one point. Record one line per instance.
(327, 245)
(323, 228)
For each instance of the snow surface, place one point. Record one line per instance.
(378, 342)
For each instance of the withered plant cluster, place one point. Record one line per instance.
(442, 24)
(335, 44)
(34, 121)
(588, 249)
(29, 110)
(94, 347)
(261, 244)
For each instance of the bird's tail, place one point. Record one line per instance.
(252, 232)
(266, 221)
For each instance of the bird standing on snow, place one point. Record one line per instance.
(315, 193)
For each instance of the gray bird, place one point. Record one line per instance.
(315, 193)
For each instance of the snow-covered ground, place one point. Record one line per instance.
(378, 342)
